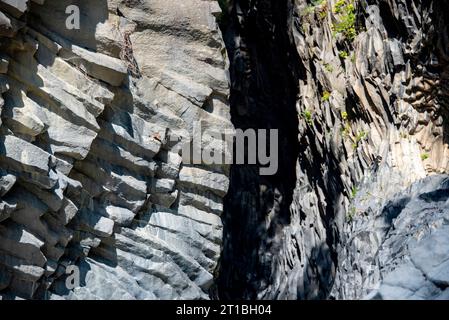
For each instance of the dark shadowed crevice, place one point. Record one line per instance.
(264, 71)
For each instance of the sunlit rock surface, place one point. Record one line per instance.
(92, 123)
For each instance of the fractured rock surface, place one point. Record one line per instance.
(92, 123)
(367, 81)
(93, 120)
(396, 247)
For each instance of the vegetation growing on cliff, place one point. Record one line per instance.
(343, 54)
(345, 9)
(319, 6)
(326, 96)
(307, 115)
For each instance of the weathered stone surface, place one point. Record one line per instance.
(358, 90)
(201, 179)
(92, 122)
(23, 156)
(396, 247)
(97, 65)
(7, 181)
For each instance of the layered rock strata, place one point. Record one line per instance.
(92, 123)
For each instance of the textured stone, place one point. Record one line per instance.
(97, 65)
(93, 121)
(396, 247)
(199, 178)
(358, 110)
(90, 171)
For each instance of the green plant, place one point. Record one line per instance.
(326, 96)
(307, 115)
(328, 67)
(346, 130)
(317, 3)
(359, 137)
(346, 23)
(362, 134)
(309, 10)
(354, 191)
(424, 156)
(339, 5)
(322, 14)
(313, 6)
(343, 54)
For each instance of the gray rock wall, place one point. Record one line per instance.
(371, 107)
(91, 127)
(396, 247)
(93, 120)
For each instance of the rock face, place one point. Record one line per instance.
(398, 248)
(92, 124)
(93, 174)
(367, 83)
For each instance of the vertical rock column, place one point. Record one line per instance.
(368, 80)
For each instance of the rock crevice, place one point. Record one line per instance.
(368, 83)
(93, 175)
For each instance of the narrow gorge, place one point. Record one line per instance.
(95, 179)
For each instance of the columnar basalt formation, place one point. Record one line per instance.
(92, 173)
(370, 78)
(91, 168)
